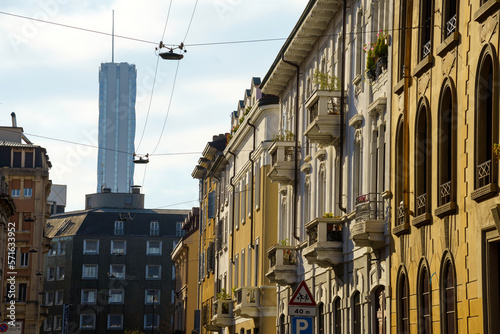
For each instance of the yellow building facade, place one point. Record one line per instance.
(444, 263)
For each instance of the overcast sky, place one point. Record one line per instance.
(49, 78)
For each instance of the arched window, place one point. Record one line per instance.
(321, 319)
(450, 18)
(448, 297)
(338, 316)
(422, 166)
(321, 192)
(426, 14)
(402, 304)
(356, 312)
(485, 121)
(424, 301)
(399, 173)
(447, 138)
(380, 315)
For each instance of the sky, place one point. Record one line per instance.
(49, 78)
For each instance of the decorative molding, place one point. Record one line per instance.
(423, 66)
(356, 121)
(488, 28)
(449, 62)
(485, 192)
(423, 84)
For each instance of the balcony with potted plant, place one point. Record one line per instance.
(324, 241)
(376, 56)
(247, 302)
(282, 264)
(223, 309)
(367, 229)
(282, 153)
(323, 108)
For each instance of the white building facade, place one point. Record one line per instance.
(336, 240)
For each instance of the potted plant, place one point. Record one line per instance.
(330, 83)
(376, 55)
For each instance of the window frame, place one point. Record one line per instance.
(84, 266)
(448, 264)
(112, 272)
(402, 302)
(155, 322)
(92, 327)
(154, 228)
(148, 248)
(116, 292)
(119, 228)
(88, 251)
(82, 294)
(58, 272)
(424, 288)
(423, 29)
(147, 271)
(156, 292)
(58, 295)
(114, 250)
(109, 321)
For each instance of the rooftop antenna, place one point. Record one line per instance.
(113, 39)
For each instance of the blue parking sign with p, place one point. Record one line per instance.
(302, 325)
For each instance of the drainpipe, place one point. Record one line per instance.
(406, 128)
(296, 153)
(232, 209)
(342, 103)
(252, 183)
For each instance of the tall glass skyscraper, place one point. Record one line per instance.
(117, 92)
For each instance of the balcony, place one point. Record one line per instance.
(282, 161)
(369, 225)
(402, 225)
(324, 242)
(223, 312)
(247, 302)
(324, 117)
(485, 186)
(282, 264)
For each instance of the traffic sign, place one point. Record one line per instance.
(3, 328)
(301, 311)
(302, 325)
(302, 296)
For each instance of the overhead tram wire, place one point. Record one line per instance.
(205, 43)
(154, 78)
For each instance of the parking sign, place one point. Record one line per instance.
(302, 325)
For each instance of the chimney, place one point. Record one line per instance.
(136, 189)
(106, 190)
(14, 122)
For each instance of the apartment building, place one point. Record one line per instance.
(444, 272)
(7, 209)
(331, 163)
(25, 169)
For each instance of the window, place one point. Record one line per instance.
(21, 294)
(61, 249)
(152, 296)
(60, 272)
(28, 159)
(178, 230)
(53, 250)
(422, 164)
(426, 14)
(402, 305)
(380, 313)
(282, 324)
(16, 159)
(49, 297)
(47, 324)
(154, 272)
(89, 271)
(148, 321)
(154, 228)
(154, 248)
(402, 39)
(24, 259)
(484, 137)
(356, 313)
(58, 322)
(211, 204)
(115, 321)
(59, 297)
(116, 296)
(15, 192)
(256, 267)
(449, 17)
(119, 227)
(338, 317)
(91, 247)
(400, 164)
(236, 268)
(243, 200)
(242, 283)
(424, 302)
(118, 247)
(321, 318)
(87, 321)
(117, 271)
(51, 274)
(446, 146)
(27, 192)
(448, 297)
(89, 296)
